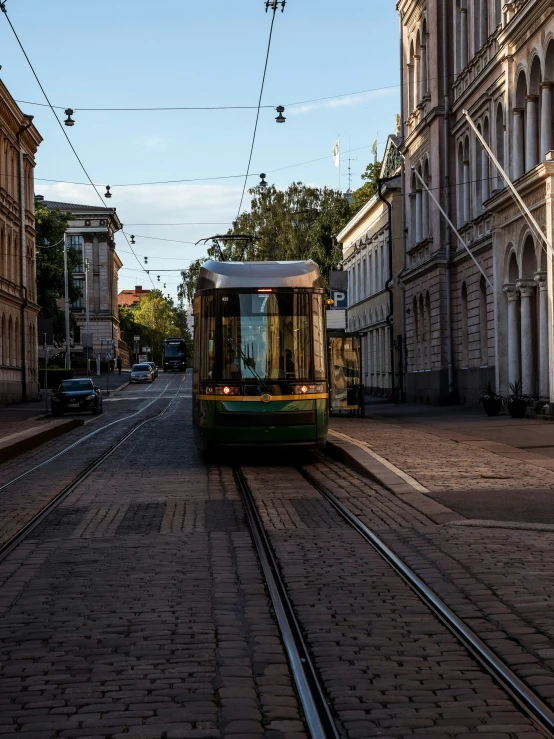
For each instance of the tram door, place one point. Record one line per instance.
(345, 373)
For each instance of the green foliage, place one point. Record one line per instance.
(368, 189)
(154, 318)
(51, 226)
(297, 223)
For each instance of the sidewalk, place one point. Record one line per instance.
(481, 468)
(24, 426)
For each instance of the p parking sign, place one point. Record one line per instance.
(340, 299)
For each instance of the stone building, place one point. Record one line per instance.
(91, 232)
(374, 299)
(495, 60)
(19, 141)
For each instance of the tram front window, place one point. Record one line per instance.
(266, 336)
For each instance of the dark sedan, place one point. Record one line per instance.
(76, 395)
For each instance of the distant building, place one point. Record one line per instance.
(131, 297)
(19, 141)
(91, 232)
(374, 299)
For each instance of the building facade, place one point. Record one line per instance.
(374, 299)
(483, 313)
(19, 141)
(131, 297)
(91, 233)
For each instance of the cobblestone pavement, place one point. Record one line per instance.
(21, 501)
(389, 666)
(137, 608)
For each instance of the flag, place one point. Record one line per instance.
(374, 150)
(336, 153)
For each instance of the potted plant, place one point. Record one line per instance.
(492, 402)
(517, 401)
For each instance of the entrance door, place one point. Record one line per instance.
(345, 373)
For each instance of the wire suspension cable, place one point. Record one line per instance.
(3, 8)
(258, 111)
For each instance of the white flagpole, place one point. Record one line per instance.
(447, 219)
(526, 212)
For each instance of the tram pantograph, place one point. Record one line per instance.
(260, 369)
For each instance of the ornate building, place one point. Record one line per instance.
(495, 60)
(91, 232)
(374, 299)
(19, 141)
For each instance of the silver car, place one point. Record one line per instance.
(154, 368)
(141, 373)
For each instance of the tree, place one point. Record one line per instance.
(368, 189)
(297, 223)
(154, 318)
(51, 226)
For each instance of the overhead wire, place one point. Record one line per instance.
(259, 107)
(3, 8)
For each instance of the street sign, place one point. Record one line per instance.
(108, 355)
(336, 320)
(105, 341)
(340, 298)
(143, 358)
(136, 338)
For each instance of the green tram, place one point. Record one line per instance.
(259, 369)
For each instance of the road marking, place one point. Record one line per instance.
(389, 465)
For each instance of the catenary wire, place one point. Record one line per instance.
(3, 8)
(259, 106)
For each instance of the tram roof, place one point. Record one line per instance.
(221, 275)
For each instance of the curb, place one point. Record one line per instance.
(361, 461)
(25, 441)
(117, 389)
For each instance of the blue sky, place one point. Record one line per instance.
(139, 53)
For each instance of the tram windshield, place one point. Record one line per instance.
(174, 348)
(267, 336)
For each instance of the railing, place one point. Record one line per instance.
(476, 65)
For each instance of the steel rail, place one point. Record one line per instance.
(316, 710)
(23, 533)
(84, 438)
(531, 703)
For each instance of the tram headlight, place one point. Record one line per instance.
(226, 390)
(307, 389)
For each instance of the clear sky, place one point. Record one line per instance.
(140, 53)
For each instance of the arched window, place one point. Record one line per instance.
(417, 71)
(424, 61)
(466, 182)
(16, 343)
(460, 187)
(9, 257)
(500, 143)
(417, 336)
(425, 333)
(532, 116)
(483, 319)
(411, 103)
(519, 149)
(419, 208)
(485, 168)
(497, 13)
(413, 209)
(547, 137)
(10, 342)
(425, 199)
(464, 326)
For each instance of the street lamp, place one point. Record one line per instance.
(280, 118)
(69, 120)
(263, 183)
(107, 194)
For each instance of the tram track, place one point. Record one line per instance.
(310, 686)
(14, 541)
(88, 436)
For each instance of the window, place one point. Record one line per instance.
(266, 336)
(207, 356)
(76, 242)
(79, 303)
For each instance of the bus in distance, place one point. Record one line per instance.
(174, 354)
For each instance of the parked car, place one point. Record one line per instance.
(154, 368)
(80, 394)
(141, 373)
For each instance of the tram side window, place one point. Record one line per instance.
(319, 337)
(207, 351)
(196, 357)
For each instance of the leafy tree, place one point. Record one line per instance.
(51, 226)
(154, 318)
(297, 223)
(368, 189)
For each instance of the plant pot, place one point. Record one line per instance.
(517, 408)
(492, 406)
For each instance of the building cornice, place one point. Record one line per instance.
(519, 26)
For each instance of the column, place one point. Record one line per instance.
(527, 294)
(519, 165)
(423, 71)
(463, 37)
(466, 190)
(417, 91)
(513, 333)
(544, 389)
(418, 216)
(546, 119)
(485, 175)
(531, 134)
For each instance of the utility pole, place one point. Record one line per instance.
(87, 315)
(66, 282)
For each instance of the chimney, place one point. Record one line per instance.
(138, 289)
